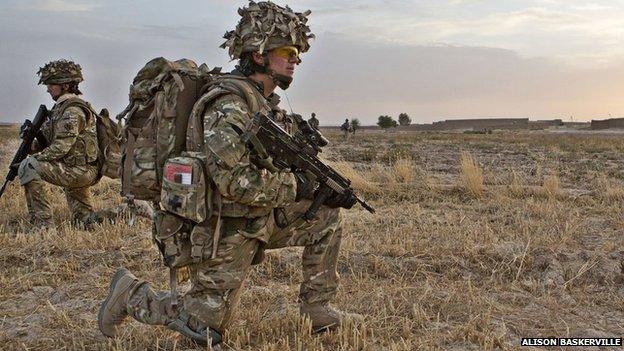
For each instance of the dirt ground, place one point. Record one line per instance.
(478, 241)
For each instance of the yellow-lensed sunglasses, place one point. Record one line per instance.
(287, 52)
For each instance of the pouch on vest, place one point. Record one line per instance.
(202, 237)
(185, 190)
(172, 236)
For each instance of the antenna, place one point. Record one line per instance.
(288, 101)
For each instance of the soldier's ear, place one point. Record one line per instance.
(258, 58)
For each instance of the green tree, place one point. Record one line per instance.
(404, 119)
(386, 122)
(355, 124)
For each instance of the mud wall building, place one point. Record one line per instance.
(607, 123)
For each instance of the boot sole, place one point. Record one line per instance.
(118, 275)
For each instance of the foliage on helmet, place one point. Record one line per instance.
(60, 72)
(265, 26)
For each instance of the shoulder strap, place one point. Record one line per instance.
(226, 85)
(243, 88)
(195, 128)
(76, 101)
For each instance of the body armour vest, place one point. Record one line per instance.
(256, 102)
(84, 149)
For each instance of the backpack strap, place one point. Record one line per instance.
(242, 87)
(195, 128)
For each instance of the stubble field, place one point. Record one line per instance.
(478, 241)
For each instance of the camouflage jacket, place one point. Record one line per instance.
(248, 190)
(71, 134)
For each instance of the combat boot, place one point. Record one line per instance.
(324, 316)
(113, 310)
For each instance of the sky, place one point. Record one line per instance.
(433, 60)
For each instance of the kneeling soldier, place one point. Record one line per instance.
(260, 206)
(67, 157)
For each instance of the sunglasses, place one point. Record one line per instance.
(287, 52)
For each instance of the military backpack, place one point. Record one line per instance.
(108, 138)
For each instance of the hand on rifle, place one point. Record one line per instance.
(306, 186)
(345, 199)
(25, 128)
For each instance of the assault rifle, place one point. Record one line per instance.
(299, 153)
(28, 133)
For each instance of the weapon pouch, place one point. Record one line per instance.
(185, 189)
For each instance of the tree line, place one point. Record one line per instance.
(385, 121)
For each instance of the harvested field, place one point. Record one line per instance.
(478, 241)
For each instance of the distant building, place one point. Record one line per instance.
(607, 123)
(481, 124)
(484, 123)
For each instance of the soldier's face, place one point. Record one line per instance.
(283, 60)
(55, 91)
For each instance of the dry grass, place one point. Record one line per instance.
(404, 170)
(471, 175)
(433, 269)
(610, 188)
(551, 186)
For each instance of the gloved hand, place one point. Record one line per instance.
(345, 200)
(306, 185)
(263, 163)
(24, 128)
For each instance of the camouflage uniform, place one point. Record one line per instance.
(247, 190)
(313, 121)
(346, 128)
(69, 160)
(255, 208)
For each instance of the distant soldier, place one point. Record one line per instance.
(345, 128)
(313, 121)
(68, 155)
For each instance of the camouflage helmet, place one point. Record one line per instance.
(60, 72)
(265, 26)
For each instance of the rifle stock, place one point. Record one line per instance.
(297, 153)
(27, 139)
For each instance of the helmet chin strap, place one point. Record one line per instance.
(282, 81)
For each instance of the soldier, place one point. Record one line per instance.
(260, 206)
(345, 128)
(313, 121)
(66, 152)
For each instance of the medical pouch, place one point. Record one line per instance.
(185, 189)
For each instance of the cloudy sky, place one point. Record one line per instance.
(433, 59)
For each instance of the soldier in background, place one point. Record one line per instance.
(260, 206)
(66, 152)
(313, 121)
(346, 129)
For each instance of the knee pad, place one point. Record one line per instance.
(28, 170)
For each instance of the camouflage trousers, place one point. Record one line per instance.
(216, 283)
(75, 182)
